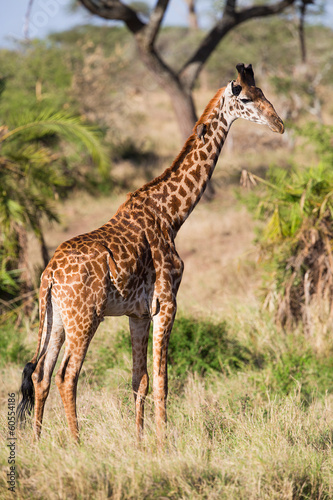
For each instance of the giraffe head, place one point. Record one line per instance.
(248, 101)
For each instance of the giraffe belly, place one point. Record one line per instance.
(136, 305)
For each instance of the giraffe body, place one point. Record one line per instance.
(130, 266)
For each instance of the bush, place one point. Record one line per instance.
(12, 348)
(202, 346)
(310, 376)
(296, 239)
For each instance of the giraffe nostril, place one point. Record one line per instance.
(280, 126)
(277, 125)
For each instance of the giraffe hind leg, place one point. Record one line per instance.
(37, 374)
(53, 339)
(68, 374)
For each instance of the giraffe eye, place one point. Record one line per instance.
(245, 100)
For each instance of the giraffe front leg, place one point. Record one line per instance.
(163, 323)
(140, 381)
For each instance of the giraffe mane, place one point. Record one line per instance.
(204, 119)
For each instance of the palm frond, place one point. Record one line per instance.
(68, 127)
(11, 212)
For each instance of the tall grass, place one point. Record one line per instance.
(220, 445)
(259, 429)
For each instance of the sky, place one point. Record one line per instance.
(53, 15)
(48, 16)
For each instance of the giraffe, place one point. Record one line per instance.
(130, 266)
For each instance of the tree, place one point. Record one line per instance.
(179, 84)
(302, 12)
(192, 15)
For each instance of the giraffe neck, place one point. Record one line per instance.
(175, 193)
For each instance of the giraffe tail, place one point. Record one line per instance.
(27, 391)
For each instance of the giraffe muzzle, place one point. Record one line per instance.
(277, 125)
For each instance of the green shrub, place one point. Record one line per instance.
(304, 372)
(201, 346)
(296, 239)
(12, 348)
(110, 356)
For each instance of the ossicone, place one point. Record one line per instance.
(245, 75)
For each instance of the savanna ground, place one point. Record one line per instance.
(250, 407)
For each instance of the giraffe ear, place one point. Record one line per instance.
(236, 89)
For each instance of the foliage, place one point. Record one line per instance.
(296, 205)
(34, 172)
(38, 72)
(12, 347)
(201, 346)
(8, 277)
(213, 349)
(87, 37)
(297, 368)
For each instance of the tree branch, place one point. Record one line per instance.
(263, 10)
(230, 7)
(231, 18)
(152, 28)
(114, 9)
(27, 20)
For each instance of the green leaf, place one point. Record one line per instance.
(68, 127)
(273, 230)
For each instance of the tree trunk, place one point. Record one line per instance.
(179, 93)
(184, 109)
(301, 32)
(192, 15)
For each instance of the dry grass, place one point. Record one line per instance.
(230, 436)
(224, 441)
